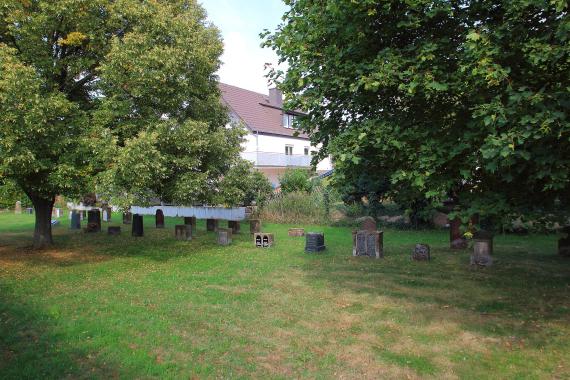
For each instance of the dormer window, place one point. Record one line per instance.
(289, 120)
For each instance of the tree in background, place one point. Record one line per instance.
(295, 180)
(434, 99)
(117, 97)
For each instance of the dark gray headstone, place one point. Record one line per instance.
(93, 221)
(114, 231)
(159, 219)
(75, 221)
(314, 242)
(421, 252)
(138, 228)
(368, 243)
(127, 218)
(254, 226)
(183, 232)
(211, 224)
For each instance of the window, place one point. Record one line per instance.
(306, 151)
(289, 150)
(289, 120)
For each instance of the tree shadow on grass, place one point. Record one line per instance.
(32, 348)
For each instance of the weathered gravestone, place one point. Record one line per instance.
(368, 243)
(254, 226)
(127, 218)
(314, 242)
(234, 225)
(191, 221)
(368, 223)
(482, 249)
(114, 231)
(183, 232)
(564, 243)
(456, 238)
(159, 218)
(211, 224)
(224, 236)
(93, 221)
(107, 213)
(29, 210)
(18, 207)
(421, 252)
(296, 232)
(137, 226)
(56, 212)
(263, 240)
(75, 220)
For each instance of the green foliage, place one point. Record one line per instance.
(10, 194)
(296, 207)
(243, 185)
(420, 101)
(295, 180)
(120, 97)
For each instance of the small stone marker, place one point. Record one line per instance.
(421, 252)
(75, 220)
(18, 207)
(211, 224)
(159, 219)
(93, 221)
(564, 243)
(191, 220)
(482, 249)
(224, 236)
(114, 231)
(254, 226)
(127, 218)
(234, 225)
(296, 232)
(138, 228)
(314, 242)
(263, 240)
(368, 243)
(183, 232)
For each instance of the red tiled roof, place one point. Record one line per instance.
(255, 110)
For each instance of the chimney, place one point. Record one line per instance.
(276, 97)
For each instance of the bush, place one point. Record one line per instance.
(295, 180)
(296, 207)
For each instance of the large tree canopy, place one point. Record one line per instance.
(432, 99)
(117, 96)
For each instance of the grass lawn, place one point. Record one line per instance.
(120, 307)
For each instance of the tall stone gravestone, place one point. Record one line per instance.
(482, 249)
(75, 220)
(191, 221)
(183, 232)
(127, 218)
(159, 219)
(107, 213)
(254, 226)
(93, 221)
(224, 236)
(314, 242)
(368, 243)
(564, 243)
(18, 207)
(234, 225)
(137, 226)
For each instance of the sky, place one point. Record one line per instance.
(240, 22)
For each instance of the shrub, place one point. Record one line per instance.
(295, 180)
(296, 207)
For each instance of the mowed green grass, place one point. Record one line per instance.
(98, 306)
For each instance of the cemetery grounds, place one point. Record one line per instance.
(100, 306)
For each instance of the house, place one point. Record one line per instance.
(271, 144)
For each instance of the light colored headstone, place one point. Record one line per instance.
(18, 208)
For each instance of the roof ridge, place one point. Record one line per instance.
(244, 89)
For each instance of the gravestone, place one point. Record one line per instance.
(368, 224)
(368, 243)
(564, 243)
(56, 212)
(93, 221)
(183, 232)
(29, 210)
(234, 225)
(18, 207)
(191, 221)
(75, 220)
(482, 249)
(114, 231)
(211, 224)
(159, 217)
(456, 238)
(137, 226)
(224, 236)
(421, 252)
(254, 226)
(127, 218)
(314, 242)
(107, 213)
(296, 232)
(263, 240)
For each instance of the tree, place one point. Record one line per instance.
(295, 180)
(114, 96)
(435, 99)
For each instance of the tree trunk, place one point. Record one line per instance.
(42, 233)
